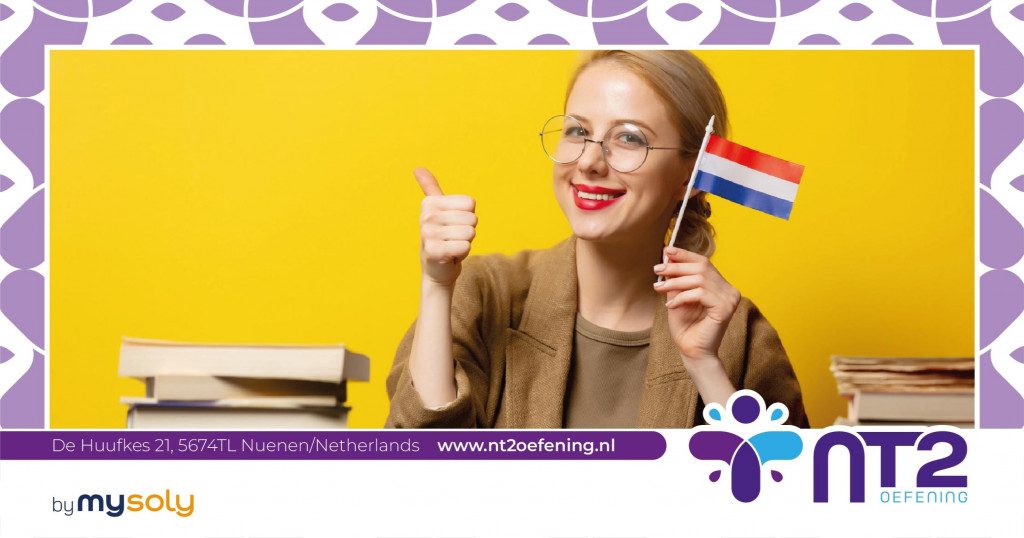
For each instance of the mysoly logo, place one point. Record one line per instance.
(114, 505)
(746, 437)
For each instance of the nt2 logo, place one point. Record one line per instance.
(756, 436)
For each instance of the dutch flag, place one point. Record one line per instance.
(742, 175)
(745, 176)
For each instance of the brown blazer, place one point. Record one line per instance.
(513, 320)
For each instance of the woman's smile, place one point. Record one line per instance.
(591, 198)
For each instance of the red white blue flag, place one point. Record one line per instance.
(748, 177)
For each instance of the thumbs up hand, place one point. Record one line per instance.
(447, 227)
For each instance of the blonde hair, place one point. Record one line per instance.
(690, 92)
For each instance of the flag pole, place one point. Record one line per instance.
(689, 186)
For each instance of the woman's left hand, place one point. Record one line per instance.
(700, 304)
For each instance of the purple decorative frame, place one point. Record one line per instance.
(32, 25)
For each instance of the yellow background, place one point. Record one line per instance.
(268, 197)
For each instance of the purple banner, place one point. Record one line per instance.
(331, 445)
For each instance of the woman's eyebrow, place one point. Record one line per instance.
(618, 121)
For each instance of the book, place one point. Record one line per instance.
(898, 378)
(162, 416)
(905, 385)
(203, 387)
(923, 366)
(144, 358)
(920, 406)
(239, 386)
(903, 363)
(894, 390)
(844, 421)
(267, 402)
(903, 374)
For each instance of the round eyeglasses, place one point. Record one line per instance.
(624, 146)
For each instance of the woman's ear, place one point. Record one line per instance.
(681, 192)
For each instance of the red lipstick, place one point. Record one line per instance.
(594, 197)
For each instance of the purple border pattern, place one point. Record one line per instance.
(27, 26)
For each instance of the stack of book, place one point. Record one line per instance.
(906, 390)
(239, 386)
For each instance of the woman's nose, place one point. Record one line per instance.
(593, 159)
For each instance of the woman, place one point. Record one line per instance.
(596, 331)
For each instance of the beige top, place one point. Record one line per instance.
(513, 325)
(606, 376)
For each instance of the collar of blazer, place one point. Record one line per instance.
(539, 353)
